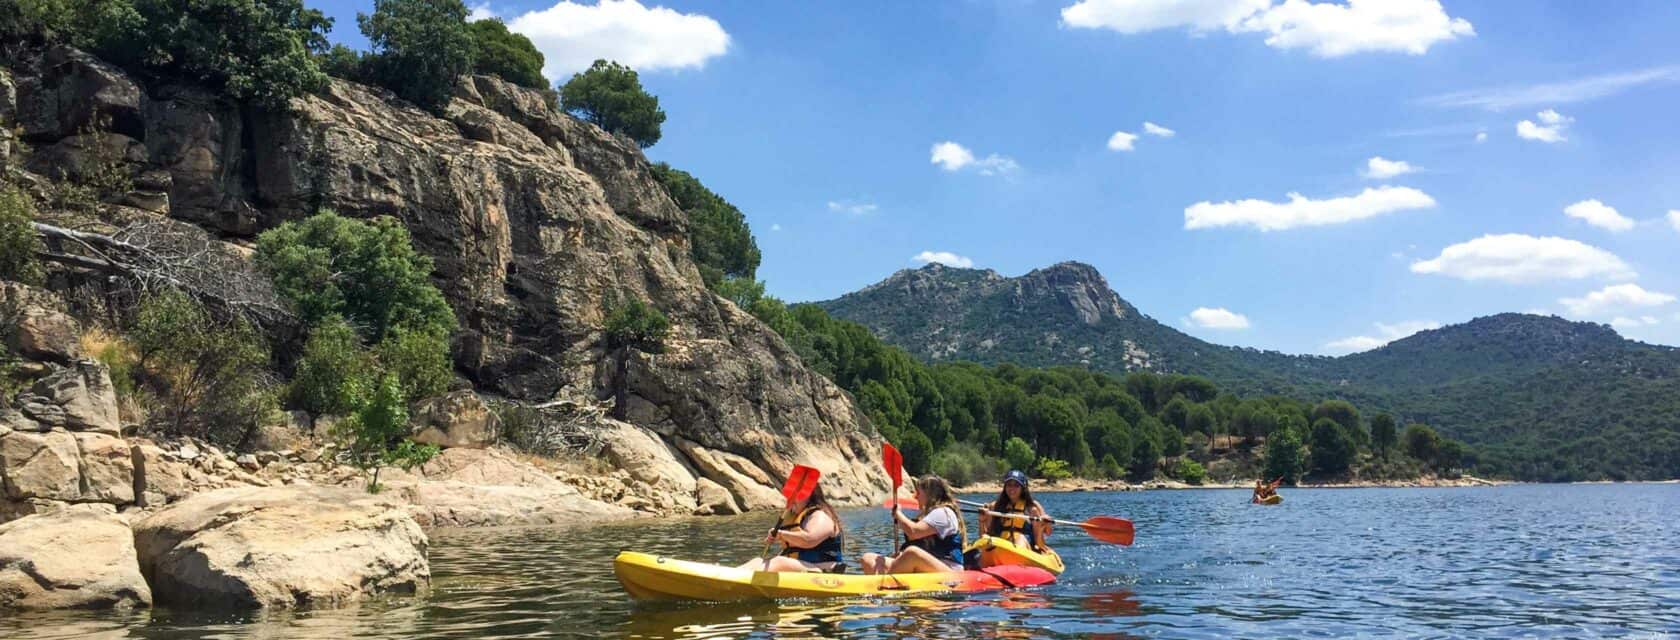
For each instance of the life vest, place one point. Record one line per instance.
(1013, 529)
(948, 548)
(826, 551)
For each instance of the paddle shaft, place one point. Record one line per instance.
(1022, 516)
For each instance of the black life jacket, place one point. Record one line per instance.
(826, 551)
(1015, 529)
(948, 548)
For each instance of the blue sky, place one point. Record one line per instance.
(823, 121)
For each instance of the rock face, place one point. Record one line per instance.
(473, 488)
(83, 395)
(455, 419)
(45, 466)
(70, 559)
(534, 219)
(280, 547)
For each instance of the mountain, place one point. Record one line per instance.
(1532, 392)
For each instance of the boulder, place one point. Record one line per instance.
(46, 334)
(458, 504)
(485, 467)
(280, 547)
(107, 468)
(711, 499)
(14, 420)
(455, 419)
(70, 559)
(41, 465)
(84, 391)
(160, 477)
(646, 457)
(748, 484)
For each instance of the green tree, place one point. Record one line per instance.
(744, 292)
(1053, 469)
(1146, 454)
(210, 374)
(1332, 448)
(1019, 454)
(364, 271)
(421, 48)
(1449, 455)
(917, 450)
(636, 324)
(1341, 411)
(419, 359)
(720, 241)
(18, 242)
(1177, 413)
(499, 52)
(1384, 433)
(334, 365)
(1283, 456)
(1111, 468)
(343, 62)
(610, 96)
(376, 435)
(1421, 442)
(1201, 420)
(1190, 471)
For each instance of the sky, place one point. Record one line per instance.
(1309, 176)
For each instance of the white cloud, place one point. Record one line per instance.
(1328, 29)
(480, 12)
(1549, 130)
(1599, 215)
(1518, 258)
(1623, 322)
(1571, 91)
(951, 156)
(1158, 130)
(1300, 211)
(1121, 141)
(572, 36)
(852, 208)
(1386, 333)
(1217, 318)
(1481, 136)
(943, 257)
(1380, 168)
(1620, 298)
(1674, 219)
(775, 227)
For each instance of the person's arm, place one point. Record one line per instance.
(818, 528)
(1043, 524)
(916, 529)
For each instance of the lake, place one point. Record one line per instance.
(1512, 561)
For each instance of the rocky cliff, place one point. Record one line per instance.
(534, 220)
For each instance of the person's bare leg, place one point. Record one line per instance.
(917, 560)
(872, 563)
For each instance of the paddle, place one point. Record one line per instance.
(1105, 528)
(800, 483)
(894, 463)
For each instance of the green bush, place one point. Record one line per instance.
(420, 360)
(638, 325)
(1333, 450)
(1053, 469)
(499, 52)
(421, 48)
(376, 435)
(1019, 454)
(1190, 471)
(963, 463)
(720, 241)
(1111, 469)
(333, 367)
(211, 374)
(343, 62)
(1284, 457)
(364, 271)
(18, 241)
(1421, 442)
(610, 96)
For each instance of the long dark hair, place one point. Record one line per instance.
(820, 501)
(1002, 501)
(938, 493)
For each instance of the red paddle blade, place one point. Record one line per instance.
(800, 483)
(1110, 529)
(893, 462)
(902, 503)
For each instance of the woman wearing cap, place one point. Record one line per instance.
(1016, 498)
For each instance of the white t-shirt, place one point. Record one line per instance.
(945, 523)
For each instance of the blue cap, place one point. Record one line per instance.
(1016, 475)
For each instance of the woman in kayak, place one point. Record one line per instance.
(811, 537)
(1016, 498)
(1263, 489)
(937, 535)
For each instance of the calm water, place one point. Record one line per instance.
(1523, 561)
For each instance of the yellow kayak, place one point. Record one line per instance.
(1271, 499)
(1002, 551)
(649, 577)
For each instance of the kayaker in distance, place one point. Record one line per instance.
(811, 536)
(1016, 497)
(1263, 489)
(937, 536)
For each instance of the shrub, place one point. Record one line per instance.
(1332, 448)
(636, 324)
(499, 52)
(1283, 455)
(364, 271)
(117, 355)
(421, 48)
(18, 241)
(610, 96)
(1421, 442)
(211, 374)
(343, 62)
(420, 360)
(376, 435)
(1111, 469)
(1052, 469)
(963, 464)
(1190, 471)
(1019, 454)
(331, 370)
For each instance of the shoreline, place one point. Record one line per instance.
(1076, 485)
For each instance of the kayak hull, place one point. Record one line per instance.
(1271, 499)
(650, 577)
(995, 551)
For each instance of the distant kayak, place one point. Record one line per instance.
(649, 577)
(1271, 499)
(1002, 552)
